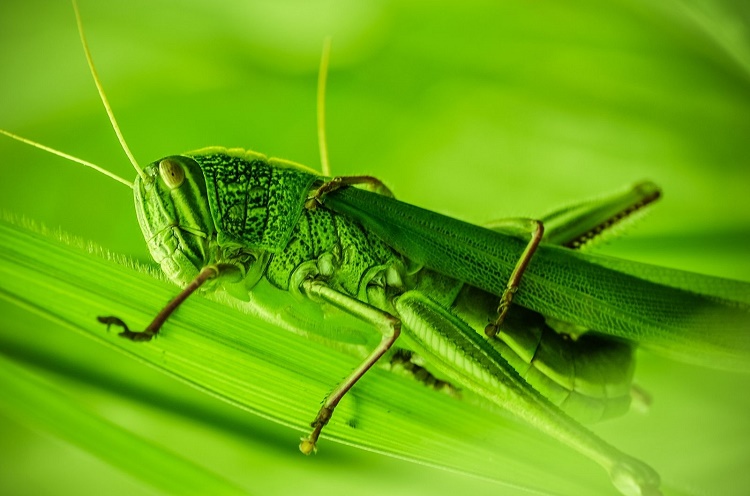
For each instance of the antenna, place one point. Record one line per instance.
(67, 157)
(99, 88)
(322, 78)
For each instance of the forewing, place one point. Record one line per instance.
(711, 328)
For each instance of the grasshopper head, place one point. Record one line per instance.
(173, 212)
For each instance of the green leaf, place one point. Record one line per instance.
(278, 375)
(35, 402)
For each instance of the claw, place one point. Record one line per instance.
(126, 333)
(307, 446)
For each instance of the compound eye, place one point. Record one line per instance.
(171, 173)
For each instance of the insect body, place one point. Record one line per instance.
(232, 217)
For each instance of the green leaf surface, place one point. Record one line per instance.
(275, 374)
(32, 401)
(262, 369)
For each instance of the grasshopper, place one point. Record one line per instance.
(486, 309)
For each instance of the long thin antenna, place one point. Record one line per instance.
(99, 88)
(68, 157)
(322, 78)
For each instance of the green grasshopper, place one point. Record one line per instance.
(512, 312)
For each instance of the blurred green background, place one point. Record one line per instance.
(479, 110)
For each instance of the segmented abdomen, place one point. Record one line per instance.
(588, 377)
